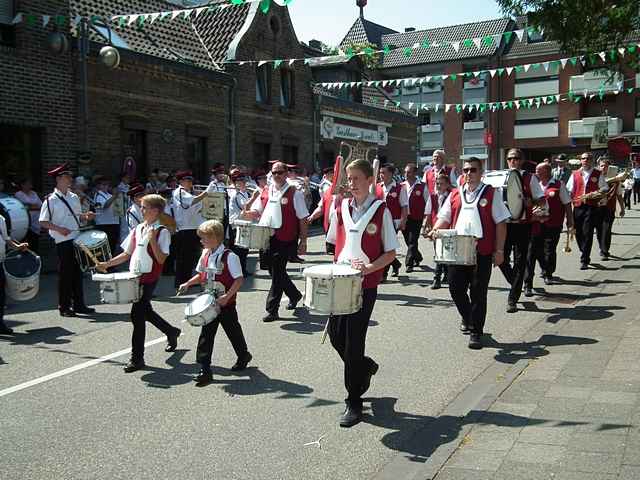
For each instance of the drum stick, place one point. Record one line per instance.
(326, 331)
(90, 254)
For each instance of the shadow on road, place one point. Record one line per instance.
(253, 381)
(48, 335)
(413, 301)
(510, 353)
(579, 312)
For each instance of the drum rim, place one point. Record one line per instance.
(189, 306)
(316, 268)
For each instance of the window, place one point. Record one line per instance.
(424, 118)
(134, 144)
(7, 29)
(196, 156)
(287, 88)
(263, 84)
(21, 155)
(638, 107)
(290, 154)
(474, 115)
(261, 154)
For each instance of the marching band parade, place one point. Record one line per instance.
(478, 220)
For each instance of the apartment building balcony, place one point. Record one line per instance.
(434, 127)
(596, 81)
(537, 88)
(636, 125)
(431, 136)
(584, 128)
(535, 130)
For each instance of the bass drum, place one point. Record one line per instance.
(510, 183)
(22, 273)
(16, 216)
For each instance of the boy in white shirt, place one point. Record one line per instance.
(106, 219)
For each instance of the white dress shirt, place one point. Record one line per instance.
(602, 183)
(408, 188)
(636, 173)
(134, 216)
(233, 262)
(565, 196)
(237, 201)
(164, 240)
(104, 216)
(499, 210)
(4, 238)
(31, 199)
(187, 215)
(55, 211)
(428, 208)
(299, 204)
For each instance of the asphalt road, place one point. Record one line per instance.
(69, 412)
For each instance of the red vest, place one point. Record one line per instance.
(435, 207)
(487, 244)
(371, 244)
(264, 196)
(417, 202)
(224, 278)
(579, 187)
(156, 270)
(327, 200)
(430, 177)
(288, 232)
(392, 199)
(556, 208)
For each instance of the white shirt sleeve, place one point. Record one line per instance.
(44, 211)
(182, 199)
(3, 229)
(428, 207)
(453, 176)
(445, 211)
(233, 264)
(404, 198)
(127, 244)
(536, 190)
(499, 210)
(389, 234)
(565, 197)
(200, 266)
(333, 226)
(257, 205)
(570, 185)
(300, 205)
(164, 241)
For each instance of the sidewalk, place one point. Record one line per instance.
(571, 407)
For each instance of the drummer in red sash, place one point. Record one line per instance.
(369, 246)
(282, 208)
(61, 216)
(4, 241)
(439, 168)
(397, 201)
(519, 230)
(443, 190)
(419, 203)
(148, 247)
(583, 181)
(544, 245)
(474, 209)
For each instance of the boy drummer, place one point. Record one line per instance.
(215, 257)
(4, 240)
(157, 249)
(369, 246)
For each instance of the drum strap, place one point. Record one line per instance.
(66, 205)
(129, 212)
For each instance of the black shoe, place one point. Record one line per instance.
(351, 416)
(172, 341)
(604, 257)
(396, 272)
(270, 317)
(84, 310)
(242, 362)
(367, 381)
(445, 278)
(584, 266)
(464, 328)
(475, 342)
(293, 304)
(548, 281)
(67, 313)
(132, 366)
(409, 269)
(4, 330)
(205, 377)
(511, 308)
(436, 284)
(528, 292)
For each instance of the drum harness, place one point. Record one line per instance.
(66, 204)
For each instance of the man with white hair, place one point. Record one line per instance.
(438, 167)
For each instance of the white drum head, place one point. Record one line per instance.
(112, 277)
(242, 223)
(330, 271)
(91, 238)
(199, 305)
(447, 233)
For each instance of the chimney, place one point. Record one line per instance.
(315, 44)
(409, 30)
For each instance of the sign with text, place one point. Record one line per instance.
(330, 129)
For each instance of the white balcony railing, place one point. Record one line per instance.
(474, 125)
(481, 152)
(584, 128)
(434, 127)
(636, 125)
(596, 81)
(536, 89)
(476, 83)
(535, 130)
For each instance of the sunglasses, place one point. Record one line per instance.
(278, 172)
(513, 158)
(470, 170)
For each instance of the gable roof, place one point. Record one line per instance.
(174, 40)
(527, 48)
(364, 31)
(453, 33)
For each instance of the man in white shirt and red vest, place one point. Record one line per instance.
(586, 213)
(519, 230)
(437, 200)
(368, 245)
(282, 207)
(397, 201)
(544, 246)
(608, 210)
(474, 209)
(61, 216)
(439, 168)
(419, 202)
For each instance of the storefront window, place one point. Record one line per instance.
(20, 155)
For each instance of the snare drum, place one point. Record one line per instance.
(510, 181)
(332, 289)
(16, 216)
(213, 206)
(22, 271)
(202, 311)
(454, 249)
(251, 235)
(118, 288)
(97, 242)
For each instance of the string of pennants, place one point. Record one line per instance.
(477, 74)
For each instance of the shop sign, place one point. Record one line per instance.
(330, 129)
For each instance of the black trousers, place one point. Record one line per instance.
(33, 239)
(348, 335)
(468, 287)
(585, 219)
(517, 242)
(279, 254)
(142, 312)
(228, 318)
(70, 291)
(636, 191)
(543, 249)
(411, 235)
(113, 234)
(627, 199)
(604, 228)
(188, 250)
(169, 267)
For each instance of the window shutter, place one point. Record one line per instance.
(6, 12)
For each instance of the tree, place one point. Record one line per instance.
(372, 56)
(582, 26)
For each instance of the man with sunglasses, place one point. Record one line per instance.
(586, 212)
(519, 230)
(282, 208)
(474, 209)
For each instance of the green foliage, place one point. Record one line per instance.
(372, 56)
